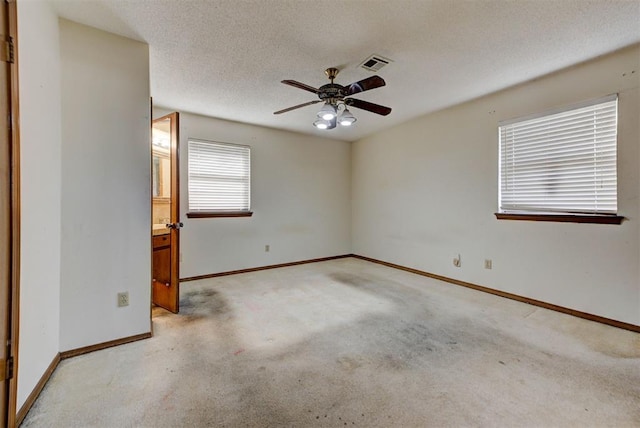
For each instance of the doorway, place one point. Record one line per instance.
(166, 223)
(9, 214)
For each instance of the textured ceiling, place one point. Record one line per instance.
(226, 58)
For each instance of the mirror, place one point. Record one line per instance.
(161, 174)
(161, 163)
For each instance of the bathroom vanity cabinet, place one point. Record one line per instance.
(162, 260)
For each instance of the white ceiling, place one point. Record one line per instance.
(226, 58)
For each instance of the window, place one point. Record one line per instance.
(562, 162)
(219, 179)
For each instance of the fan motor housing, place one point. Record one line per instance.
(331, 90)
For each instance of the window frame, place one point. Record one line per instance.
(554, 216)
(191, 213)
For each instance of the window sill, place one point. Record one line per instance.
(563, 218)
(213, 214)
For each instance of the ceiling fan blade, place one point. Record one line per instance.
(365, 84)
(365, 105)
(297, 84)
(295, 107)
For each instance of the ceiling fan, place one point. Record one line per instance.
(337, 103)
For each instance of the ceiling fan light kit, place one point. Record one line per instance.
(328, 111)
(335, 109)
(322, 124)
(346, 118)
(329, 121)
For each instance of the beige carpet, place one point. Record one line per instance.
(351, 343)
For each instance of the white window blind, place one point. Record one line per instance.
(219, 176)
(561, 162)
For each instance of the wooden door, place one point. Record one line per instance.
(166, 212)
(5, 229)
(9, 213)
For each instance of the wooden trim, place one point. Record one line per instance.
(575, 313)
(563, 218)
(255, 269)
(213, 214)
(104, 345)
(15, 214)
(24, 409)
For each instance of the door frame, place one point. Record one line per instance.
(13, 240)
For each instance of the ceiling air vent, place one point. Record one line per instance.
(375, 63)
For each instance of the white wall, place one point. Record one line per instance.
(106, 208)
(39, 75)
(300, 197)
(427, 190)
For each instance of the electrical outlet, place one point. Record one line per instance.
(487, 264)
(267, 248)
(456, 261)
(123, 299)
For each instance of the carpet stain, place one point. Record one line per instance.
(391, 290)
(202, 304)
(350, 364)
(393, 363)
(351, 279)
